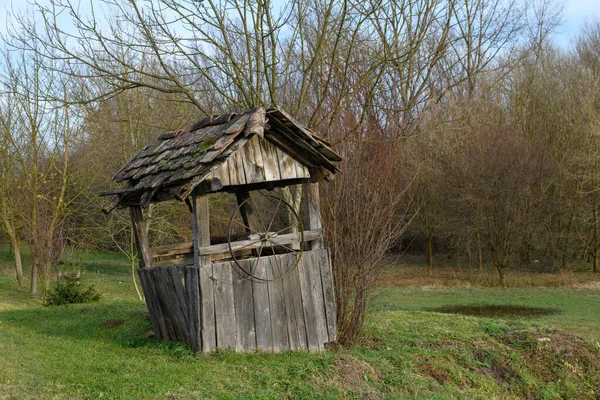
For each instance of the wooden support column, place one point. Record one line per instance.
(201, 228)
(249, 217)
(312, 213)
(140, 231)
(246, 210)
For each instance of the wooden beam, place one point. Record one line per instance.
(241, 196)
(312, 212)
(175, 262)
(208, 186)
(172, 249)
(140, 231)
(112, 204)
(287, 239)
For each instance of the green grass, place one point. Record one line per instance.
(578, 308)
(408, 353)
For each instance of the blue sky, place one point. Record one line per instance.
(575, 13)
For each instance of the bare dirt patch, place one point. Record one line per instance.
(357, 376)
(496, 311)
(112, 323)
(589, 285)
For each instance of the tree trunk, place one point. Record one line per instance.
(44, 270)
(18, 262)
(33, 284)
(596, 255)
(500, 269)
(14, 243)
(565, 257)
(429, 243)
(479, 254)
(469, 258)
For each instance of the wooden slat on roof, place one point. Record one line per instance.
(178, 161)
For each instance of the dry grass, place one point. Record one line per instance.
(409, 274)
(356, 375)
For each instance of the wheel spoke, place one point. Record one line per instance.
(249, 244)
(290, 249)
(253, 269)
(276, 260)
(259, 214)
(246, 228)
(274, 215)
(285, 229)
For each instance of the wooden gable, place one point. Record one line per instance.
(257, 161)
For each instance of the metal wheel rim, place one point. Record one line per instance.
(298, 252)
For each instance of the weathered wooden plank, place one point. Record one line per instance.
(233, 172)
(287, 165)
(201, 229)
(238, 125)
(308, 303)
(258, 157)
(208, 185)
(172, 249)
(175, 262)
(112, 203)
(302, 171)
(284, 145)
(299, 146)
(192, 296)
(312, 212)
(317, 293)
(294, 311)
(244, 308)
(238, 165)
(179, 304)
(224, 306)
(262, 314)
(153, 309)
(207, 309)
(328, 294)
(140, 230)
(256, 122)
(270, 161)
(277, 304)
(254, 243)
(242, 164)
(221, 173)
(254, 166)
(162, 298)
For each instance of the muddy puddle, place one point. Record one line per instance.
(496, 311)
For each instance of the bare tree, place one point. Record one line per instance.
(40, 140)
(8, 186)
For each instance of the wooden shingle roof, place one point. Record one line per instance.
(177, 162)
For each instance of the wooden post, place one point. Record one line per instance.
(246, 210)
(249, 214)
(201, 229)
(312, 213)
(140, 231)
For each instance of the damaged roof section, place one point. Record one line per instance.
(179, 162)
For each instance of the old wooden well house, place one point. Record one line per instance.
(267, 285)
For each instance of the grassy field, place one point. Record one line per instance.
(410, 350)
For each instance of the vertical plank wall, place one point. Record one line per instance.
(296, 312)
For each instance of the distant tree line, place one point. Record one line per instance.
(461, 124)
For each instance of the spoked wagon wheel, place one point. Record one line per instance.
(267, 226)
